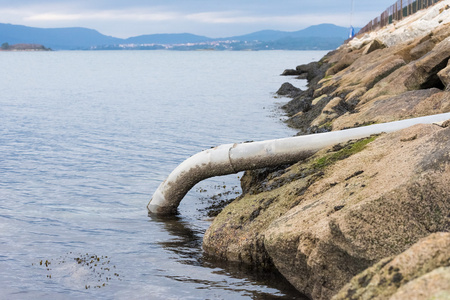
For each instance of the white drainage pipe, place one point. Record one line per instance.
(233, 158)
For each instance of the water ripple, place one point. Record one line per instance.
(85, 143)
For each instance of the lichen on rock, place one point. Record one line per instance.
(421, 272)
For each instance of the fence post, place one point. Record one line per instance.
(401, 9)
(394, 15)
(396, 12)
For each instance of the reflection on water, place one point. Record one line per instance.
(186, 243)
(85, 144)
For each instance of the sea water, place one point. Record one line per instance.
(86, 138)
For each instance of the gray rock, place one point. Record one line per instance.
(290, 72)
(287, 89)
(421, 272)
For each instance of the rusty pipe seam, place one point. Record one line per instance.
(233, 158)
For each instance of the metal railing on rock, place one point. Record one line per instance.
(396, 12)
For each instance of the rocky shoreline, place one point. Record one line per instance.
(370, 218)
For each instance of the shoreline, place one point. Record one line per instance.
(359, 207)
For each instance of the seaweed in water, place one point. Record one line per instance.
(99, 271)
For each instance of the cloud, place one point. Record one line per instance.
(155, 15)
(108, 15)
(223, 17)
(234, 17)
(207, 17)
(53, 17)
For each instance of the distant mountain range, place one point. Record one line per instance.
(320, 37)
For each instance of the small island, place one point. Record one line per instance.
(23, 47)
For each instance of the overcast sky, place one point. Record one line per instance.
(212, 18)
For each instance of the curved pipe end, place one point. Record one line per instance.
(232, 158)
(159, 204)
(205, 164)
(160, 210)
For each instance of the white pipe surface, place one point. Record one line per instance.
(233, 158)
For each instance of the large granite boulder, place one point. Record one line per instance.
(421, 272)
(410, 104)
(372, 205)
(322, 221)
(372, 79)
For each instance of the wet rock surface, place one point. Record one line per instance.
(287, 89)
(326, 219)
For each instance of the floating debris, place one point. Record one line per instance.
(94, 269)
(223, 196)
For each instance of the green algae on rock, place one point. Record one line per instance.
(236, 233)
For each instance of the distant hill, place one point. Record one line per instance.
(324, 31)
(302, 43)
(263, 35)
(323, 36)
(55, 38)
(316, 31)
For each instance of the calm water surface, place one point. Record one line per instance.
(87, 137)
